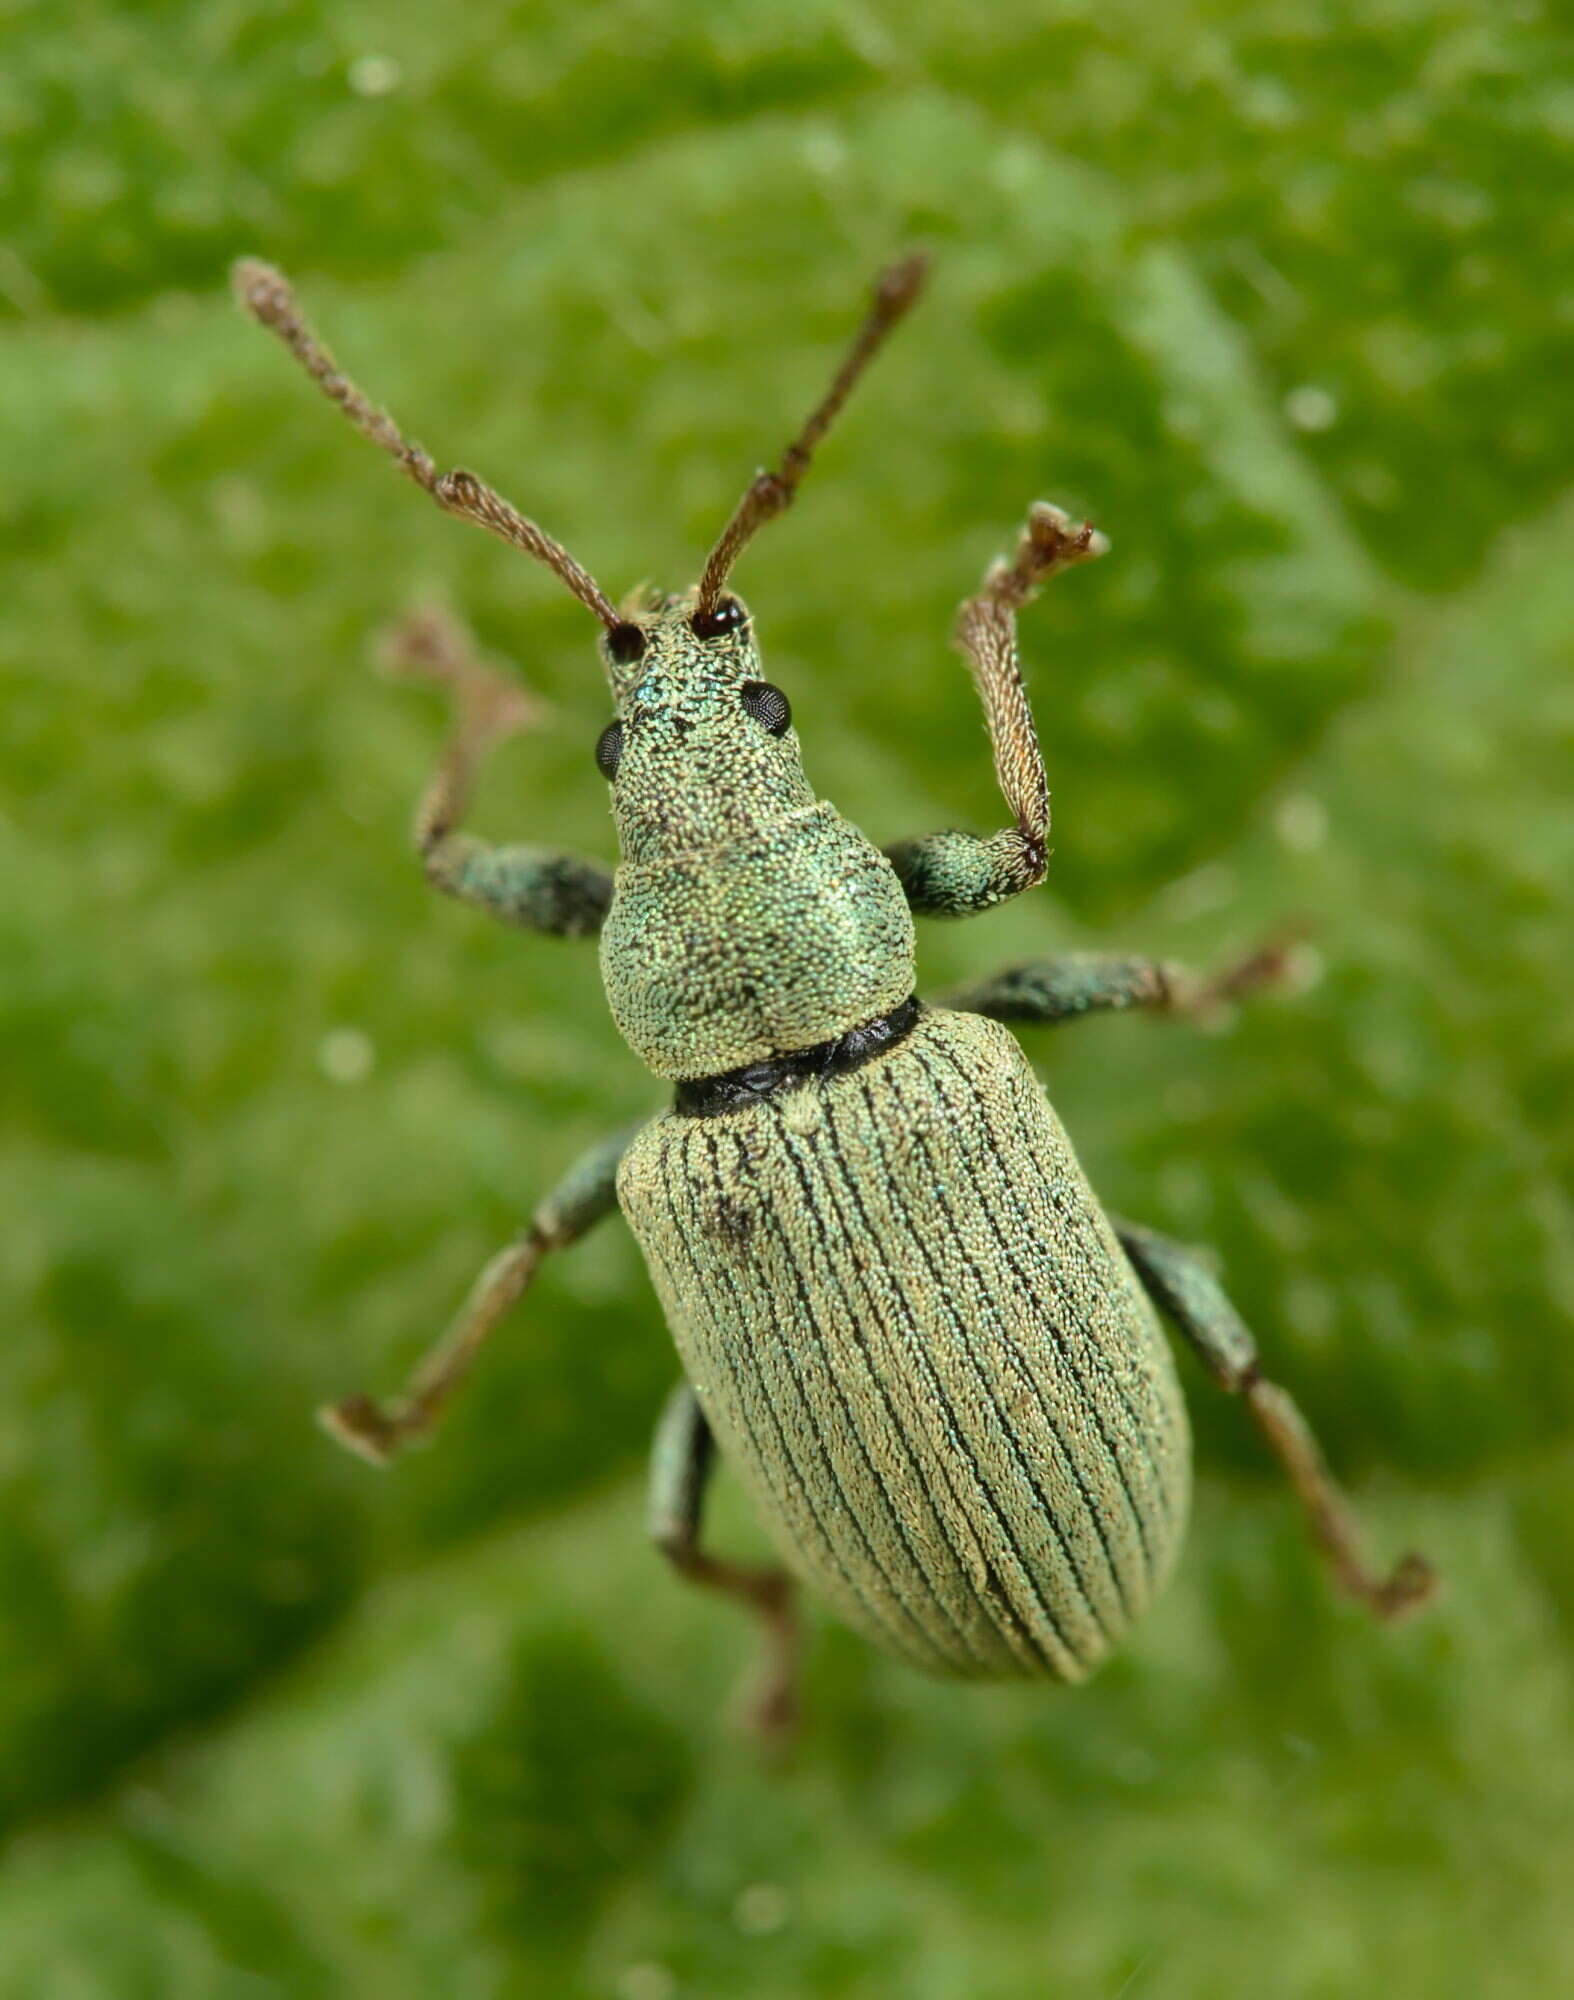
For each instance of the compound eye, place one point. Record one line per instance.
(609, 750)
(726, 615)
(626, 644)
(768, 705)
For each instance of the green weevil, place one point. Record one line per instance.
(903, 1317)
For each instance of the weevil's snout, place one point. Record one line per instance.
(665, 631)
(701, 751)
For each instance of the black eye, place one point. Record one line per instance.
(609, 750)
(768, 705)
(625, 643)
(726, 615)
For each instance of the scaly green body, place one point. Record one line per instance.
(901, 1312)
(914, 1335)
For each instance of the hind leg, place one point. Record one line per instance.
(681, 1461)
(1183, 1285)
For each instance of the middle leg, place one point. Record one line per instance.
(1051, 990)
(376, 1431)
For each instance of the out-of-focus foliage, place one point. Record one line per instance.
(1279, 296)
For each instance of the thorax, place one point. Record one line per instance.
(783, 937)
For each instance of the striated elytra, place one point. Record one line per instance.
(902, 1315)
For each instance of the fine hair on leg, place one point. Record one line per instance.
(986, 636)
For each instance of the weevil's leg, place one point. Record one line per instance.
(959, 874)
(682, 1457)
(587, 1192)
(1182, 1283)
(534, 887)
(1051, 990)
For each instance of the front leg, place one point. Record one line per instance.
(536, 888)
(1050, 990)
(960, 874)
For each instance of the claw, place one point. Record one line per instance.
(1412, 1584)
(1057, 540)
(1272, 963)
(363, 1427)
(1051, 541)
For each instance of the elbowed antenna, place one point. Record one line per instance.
(895, 292)
(267, 296)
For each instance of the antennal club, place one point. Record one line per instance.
(267, 295)
(769, 494)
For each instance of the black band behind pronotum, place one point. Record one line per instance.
(736, 1089)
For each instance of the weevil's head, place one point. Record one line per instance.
(747, 920)
(701, 750)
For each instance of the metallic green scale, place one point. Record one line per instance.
(915, 1337)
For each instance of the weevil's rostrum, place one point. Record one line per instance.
(902, 1314)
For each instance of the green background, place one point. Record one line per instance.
(1279, 295)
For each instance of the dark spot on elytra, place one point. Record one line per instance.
(733, 1222)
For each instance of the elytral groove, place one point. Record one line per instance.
(788, 1353)
(896, 1427)
(982, 1488)
(782, 1456)
(906, 1318)
(1080, 1230)
(1008, 1433)
(1025, 1373)
(1064, 1349)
